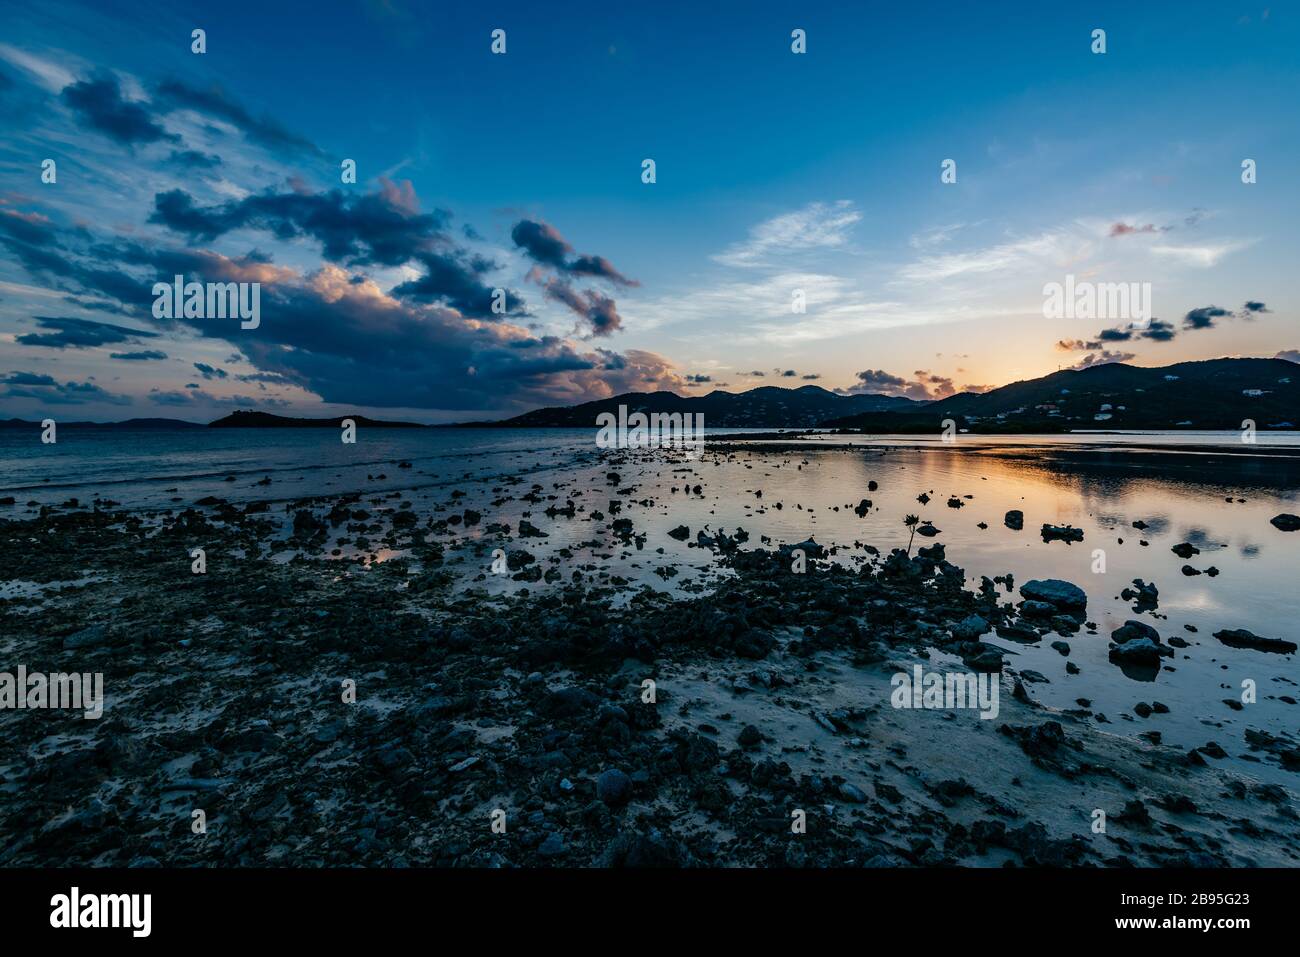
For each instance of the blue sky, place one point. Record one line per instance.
(776, 172)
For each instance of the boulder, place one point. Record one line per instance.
(1054, 591)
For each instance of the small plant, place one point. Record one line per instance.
(911, 522)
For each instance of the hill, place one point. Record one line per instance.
(1213, 394)
(126, 425)
(764, 407)
(242, 419)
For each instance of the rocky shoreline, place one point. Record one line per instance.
(585, 722)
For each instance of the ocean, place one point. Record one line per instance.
(1210, 491)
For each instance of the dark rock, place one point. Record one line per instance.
(614, 787)
(1241, 638)
(1054, 591)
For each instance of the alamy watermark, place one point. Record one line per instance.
(75, 909)
(213, 300)
(946, 690)
(82, 692)
(656, 430)
(1128, 301)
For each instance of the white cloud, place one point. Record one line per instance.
(1051, 248)
(935, 237)
(815, 226)
(52, 76)
(1202, 256)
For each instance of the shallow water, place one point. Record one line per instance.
(1179, 485)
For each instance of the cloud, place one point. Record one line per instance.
(208, 372)
(69, 333)
(925, 386)
(346, 340)
(379, 228)
(147, 355)
(1157, 330)
(454, 278)
(1046, 248)
(817, 226)
(1124, 229)
(46, 390)
(1202, 256)
(699, 379)
(878, 381)
(100, 104)
(1104, 357)
(1204, 317)
(811, 376)
(428, 343)
(49, 74)
(598, 312)
(194, 160)
(1290, 355)
(543, 243)
(214, 101)
(935, 237)
(1252, 309)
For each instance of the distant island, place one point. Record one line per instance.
(1210, 395)
(243, 419)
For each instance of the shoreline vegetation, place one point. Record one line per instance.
(769, 699)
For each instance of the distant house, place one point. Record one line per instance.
(1254, 393)
(1105, 407)
(1171, 378)
(1101, 417)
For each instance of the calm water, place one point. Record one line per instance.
(1210, 490)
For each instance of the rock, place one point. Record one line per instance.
(1185, 550)
(1241, 638)
(1286, 522)
(569, 702)
(86, 638)
(1189, 571)
(749, 737)
(1062, 647)
(970, 628)
(1014, 519)
(305, 524)
(988, 661)
(681, 533)
(1054, 591)
(644, 850)
(1037, 609)
(553, 846)
(863, 507)
(811, 549)
(1139, 651)
(614, 787)
(1144, 597)
(1063, 533)
(1135, 631)
(852, 793)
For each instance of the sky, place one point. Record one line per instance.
(500, 249)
